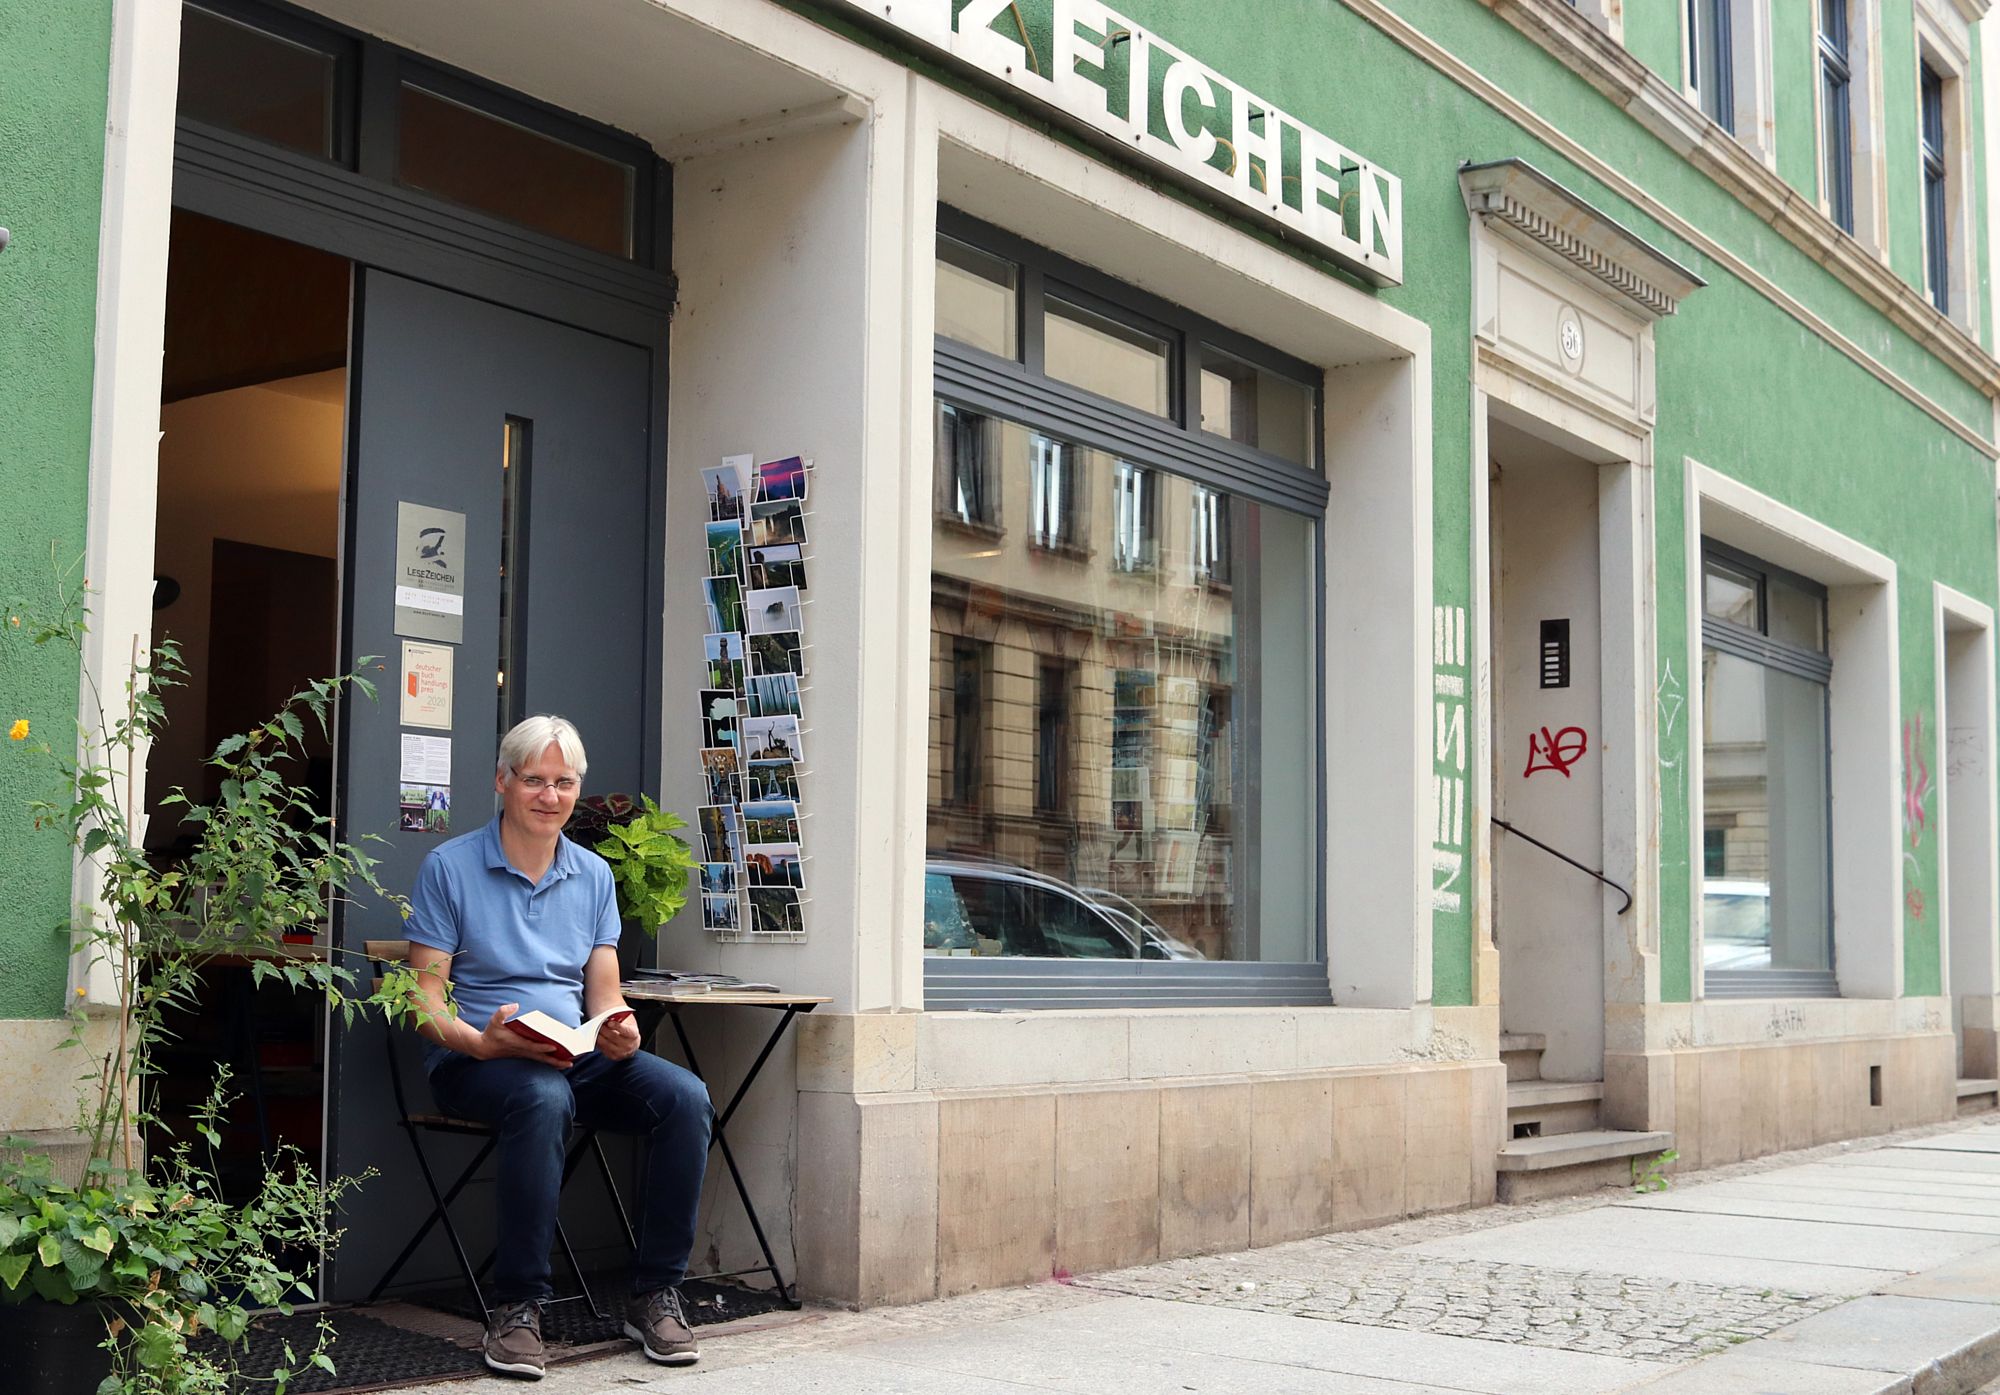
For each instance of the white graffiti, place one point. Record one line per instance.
(1448, 757)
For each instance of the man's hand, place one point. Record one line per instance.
(497, 1042)
(619, 1039)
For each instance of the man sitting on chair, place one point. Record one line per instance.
(516, 917)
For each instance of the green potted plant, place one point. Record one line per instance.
(139, 1267)
(650, 863)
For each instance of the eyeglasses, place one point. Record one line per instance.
(535, 784)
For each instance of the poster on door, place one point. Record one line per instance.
(753, 876)
(430, 573)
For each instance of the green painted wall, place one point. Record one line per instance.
(1794, 95)
(56, 59)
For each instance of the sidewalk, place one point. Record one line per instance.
(1863, 1269)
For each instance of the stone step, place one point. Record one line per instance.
(1565, 1164)
(1522, 1054)
(1546, 1108)
(1978, 1097)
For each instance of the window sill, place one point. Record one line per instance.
(985, 532)
(1063, 552)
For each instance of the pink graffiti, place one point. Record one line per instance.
(1916, 779)
(1915, 901)
(1558, 752)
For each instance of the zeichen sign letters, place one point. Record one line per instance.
(1134, 87)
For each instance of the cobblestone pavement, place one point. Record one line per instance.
(1607, 1314)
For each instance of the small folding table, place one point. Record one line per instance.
(651, 999)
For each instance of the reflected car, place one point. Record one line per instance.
(994, 908)
(1735, 924)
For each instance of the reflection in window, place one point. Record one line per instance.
(1766, 852)
(976, 299)
(1256, 407)
(1052, 518)
(1138, 722)
(1133, 539)
(1106, 356)
(1710, 46)
(968, 490)
(1937, 240)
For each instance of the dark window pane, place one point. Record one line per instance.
(1256, 407)
(257, 83)
(1732, 595)
(477, 159)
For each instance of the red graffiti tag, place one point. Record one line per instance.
(1915, 901)
(1558, 752)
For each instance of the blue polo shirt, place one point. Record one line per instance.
(512, 940)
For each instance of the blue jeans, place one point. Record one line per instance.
(531, 1107)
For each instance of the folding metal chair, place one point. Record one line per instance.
(383, 954)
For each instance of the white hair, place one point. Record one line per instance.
(534, 735)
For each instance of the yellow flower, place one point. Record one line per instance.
(19, 731)
(81, 990)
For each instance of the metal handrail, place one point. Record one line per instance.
(1565, 857)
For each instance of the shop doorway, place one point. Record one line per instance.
(246, 560)
(1548, 689)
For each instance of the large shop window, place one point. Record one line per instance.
(1125, 737)
(1767, 900)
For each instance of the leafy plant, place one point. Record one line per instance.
(168, 1255)
(1649, 1173)
(649, 864)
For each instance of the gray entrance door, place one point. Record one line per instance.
(526, 445)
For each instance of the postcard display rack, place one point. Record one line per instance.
(753, 884)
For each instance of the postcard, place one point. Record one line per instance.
(726, 667)
(778, 652)
(726, 488)
(721, 878)
(724, 775)
(771, 821)
(722, 596)
(721, 913)
(772, 611)
(721, 835)
(771, 738)
(424, 808)
(771, 779)
(778, 564)
(774, 864)
(775, 910)
(781, 479)
(725, 548)
(777, 521)
(719, 717)
(773, 695)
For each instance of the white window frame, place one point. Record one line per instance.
(1867, 144)
(1968, 812)
(1608, 15)
(1944, 42)
(1863, 719)
(1751, 104)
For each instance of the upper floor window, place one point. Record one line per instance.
(1937, 235)
(1836, 113)
(1711, 60)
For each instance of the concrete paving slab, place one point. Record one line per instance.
(1895, 1199)
(1978, 1141)
(1383, 1353)
(1706, 1203)
(1973, 1278)
(1888, 1333)
(1735, 1373)
(828, 1373)
(1902, 1181)
(1797, 1242)
(1928, 1159)
(1091, 1362)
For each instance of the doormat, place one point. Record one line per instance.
(367, 1354)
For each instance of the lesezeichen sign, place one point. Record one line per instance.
(1113, 75)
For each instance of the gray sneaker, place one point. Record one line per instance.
(514, 1340)
(656, 1322)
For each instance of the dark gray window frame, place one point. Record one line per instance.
(1836, 94)
(1019, 390)
(1936, 176)
(1711, 67)
(1802, 662)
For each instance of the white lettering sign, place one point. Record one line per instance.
(1106, 72)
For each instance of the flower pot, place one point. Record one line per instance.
(55, 1348)
(635, 948)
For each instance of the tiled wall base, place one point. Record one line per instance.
(1727, 1103)
(912, 1195)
